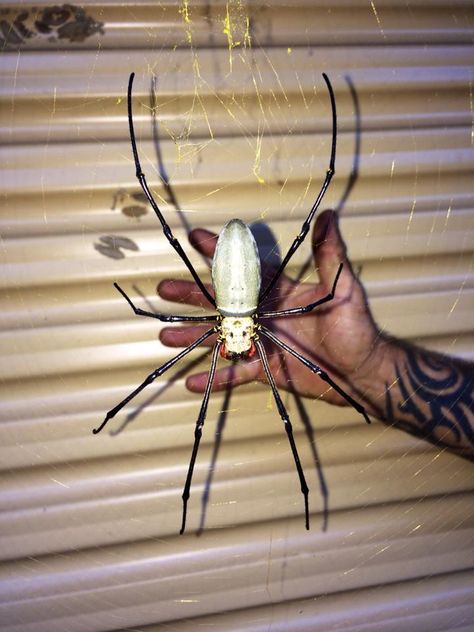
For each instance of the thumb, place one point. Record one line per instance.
(329, 249)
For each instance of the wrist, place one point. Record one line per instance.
(377, 373)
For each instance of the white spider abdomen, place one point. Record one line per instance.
(236, 274)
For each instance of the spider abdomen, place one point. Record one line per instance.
(236, 274)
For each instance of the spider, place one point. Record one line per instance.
(236, 278)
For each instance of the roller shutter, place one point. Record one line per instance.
(89, 524)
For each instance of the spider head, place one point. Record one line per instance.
(237, 334)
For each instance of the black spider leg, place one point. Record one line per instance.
(315, 369)
(143, 183)
(307, 223)
(293, 311)
(166, 318)
(156, 373)
(218, 435)
(311, 436)
(198, 432)
(288, 427)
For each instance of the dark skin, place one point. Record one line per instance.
(396, 382)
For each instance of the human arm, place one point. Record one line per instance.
(425, 393)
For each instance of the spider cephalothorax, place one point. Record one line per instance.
(237, 336)
(236, 277)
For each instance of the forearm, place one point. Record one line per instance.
(424, 393)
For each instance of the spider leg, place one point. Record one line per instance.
(306, 224)
(316, 369)
(143, 183)
(306, 308)
(166, 318)
(153, 375)
(288, 427)
(198, 432)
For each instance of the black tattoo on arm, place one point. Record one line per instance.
(433, 399)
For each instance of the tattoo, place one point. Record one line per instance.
(436, 399)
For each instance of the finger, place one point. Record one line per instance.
(184, 292)
(204, 241)
(184, 336)
(329, 250)
(228, 376)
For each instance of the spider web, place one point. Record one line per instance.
(233, 120)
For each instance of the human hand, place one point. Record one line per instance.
(340, 336)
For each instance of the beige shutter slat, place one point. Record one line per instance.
(438, 76)
(72, 519)
(128, 579)
(351, 22)
(89, 524)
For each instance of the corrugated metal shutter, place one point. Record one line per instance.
(89, 523)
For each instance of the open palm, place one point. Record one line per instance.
(339, 336)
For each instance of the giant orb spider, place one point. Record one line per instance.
(236, 278)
